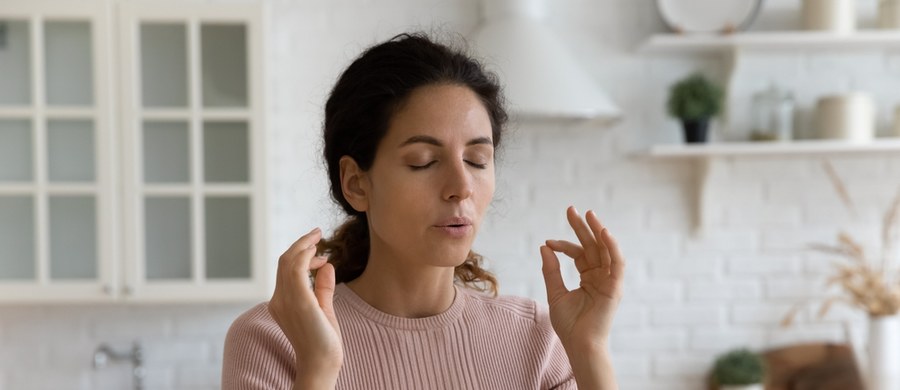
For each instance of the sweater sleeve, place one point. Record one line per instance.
(257, 354)
(559, 376)
(556, 373)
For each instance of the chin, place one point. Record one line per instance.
(449, 257)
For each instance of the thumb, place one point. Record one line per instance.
(324, 290)
(556, 288)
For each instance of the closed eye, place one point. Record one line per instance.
(476, 165)
(420, 167)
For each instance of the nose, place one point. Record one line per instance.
(459, 183)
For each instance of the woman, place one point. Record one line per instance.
(399, 298)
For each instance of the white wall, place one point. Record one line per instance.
(687, 298)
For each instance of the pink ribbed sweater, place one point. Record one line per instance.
(480, 342)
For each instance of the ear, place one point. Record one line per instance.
(354, 184)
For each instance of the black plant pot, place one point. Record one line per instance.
(695, 130)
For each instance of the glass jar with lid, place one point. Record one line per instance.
(773, 115)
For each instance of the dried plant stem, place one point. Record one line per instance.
(791, 315)
(889, 232)
(839, 186)
(865, 285)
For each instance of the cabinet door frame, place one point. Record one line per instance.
(43, 289)
(136, 287)
(116, 120)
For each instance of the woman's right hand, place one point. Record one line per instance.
(305, 316)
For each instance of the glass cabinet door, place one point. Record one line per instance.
(182, 134)
(193, 124)
(55, 187)
(15, 57)
(18, 195)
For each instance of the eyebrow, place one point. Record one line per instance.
(434, 141)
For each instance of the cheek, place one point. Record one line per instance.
(485, 190)
(397, 198)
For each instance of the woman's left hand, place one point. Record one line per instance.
(583, 317)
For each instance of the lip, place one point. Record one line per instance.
(454, 221)
(455, 231)
(455, 227)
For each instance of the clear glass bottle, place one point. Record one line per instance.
(773, 115)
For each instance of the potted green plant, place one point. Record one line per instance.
(739, 369)
(695, 100)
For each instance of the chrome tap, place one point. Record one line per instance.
(105, 354)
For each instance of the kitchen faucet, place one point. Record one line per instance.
(104, 354)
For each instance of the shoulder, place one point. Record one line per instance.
(257, 324)
(522, 310)
(257, 354)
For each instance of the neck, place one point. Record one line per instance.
(402, 288)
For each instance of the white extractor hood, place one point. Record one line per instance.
(541, 78)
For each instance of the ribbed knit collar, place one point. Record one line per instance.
(453, 313)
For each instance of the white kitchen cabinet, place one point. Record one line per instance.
(131, 152)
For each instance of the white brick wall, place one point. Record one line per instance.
(51, 347)
(687, 298)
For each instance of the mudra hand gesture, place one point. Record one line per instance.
(582, 317)
(306, 314)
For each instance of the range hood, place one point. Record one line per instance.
(541, 77)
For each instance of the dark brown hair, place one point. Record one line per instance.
(357, 116)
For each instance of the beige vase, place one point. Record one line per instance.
(889, 14)
(883, 371)
(848, 117)
(837, 16)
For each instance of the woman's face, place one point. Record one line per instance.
(433, 177)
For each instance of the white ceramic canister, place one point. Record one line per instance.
(849, 117)
(889, 14)
(744, 387)
(830, 15)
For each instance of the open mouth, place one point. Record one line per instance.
(455, 230)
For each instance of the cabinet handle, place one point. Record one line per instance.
(127, 290)
(107, 289)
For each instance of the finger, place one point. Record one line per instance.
(315, 266)
(617, 268)
(597, 228)
(288, 262)
(317, 262)
(293, 273)
(553, 280)
(304, 242)
(587, 240)
(572, 250)
(325, 291)
(303, 264)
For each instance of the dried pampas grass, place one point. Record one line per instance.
(872, 288)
